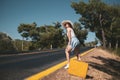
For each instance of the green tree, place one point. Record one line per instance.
(17, 43)
(43, 36)
(81, 33)
(25, 29)
(96, 16)
(114, 34)
(57, 24)
(6, 40)
(51, 35)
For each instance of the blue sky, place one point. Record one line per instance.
(14, 12)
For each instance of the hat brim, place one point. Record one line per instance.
(66, 21)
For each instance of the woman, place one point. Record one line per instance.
(73, 42)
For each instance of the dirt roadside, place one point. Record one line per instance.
(102, 66)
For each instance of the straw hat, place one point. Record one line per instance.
(66, 21)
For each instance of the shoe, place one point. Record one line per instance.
(67, 66)
(79, 59)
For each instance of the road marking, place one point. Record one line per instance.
(48, 71)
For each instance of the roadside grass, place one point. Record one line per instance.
(112, 50)
(117, 52)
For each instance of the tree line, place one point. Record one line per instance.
(10, 46)
(43, 36)
(49, 36)
(40, 37)
(101, 18)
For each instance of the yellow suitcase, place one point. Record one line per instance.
(78, 68)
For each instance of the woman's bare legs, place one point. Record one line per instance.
(78, 57)
(67, 51)
(77, 52)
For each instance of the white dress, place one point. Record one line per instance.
(74, 40)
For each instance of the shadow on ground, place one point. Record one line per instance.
(89, 77)
(109, 66)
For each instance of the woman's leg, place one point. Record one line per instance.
(67, 51)
(78, 57)
(77, 52)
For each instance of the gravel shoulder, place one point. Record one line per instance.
(102, 66)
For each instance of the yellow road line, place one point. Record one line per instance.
(46, 72)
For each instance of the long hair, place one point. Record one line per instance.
(69, 25)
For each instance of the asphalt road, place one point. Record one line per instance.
(19, 67)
